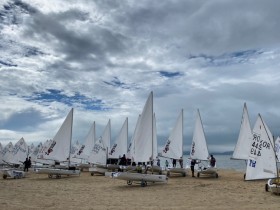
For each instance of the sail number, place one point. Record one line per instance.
(258, 144)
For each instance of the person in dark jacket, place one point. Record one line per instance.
(25, 163)
(193, 162)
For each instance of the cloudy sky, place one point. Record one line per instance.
(104, 57)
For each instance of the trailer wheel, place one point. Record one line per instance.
(5, 176)
(129, 182)
(58, 176)
(244, 176)
(217, 175)
(266, 187)
(184, 174)
(198, 174)
(50, 176)
(91, 173)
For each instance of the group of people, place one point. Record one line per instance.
(212, 163)
(123, 162)
(27, 164)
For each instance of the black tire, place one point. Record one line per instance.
(91, 173)
(50, 176)
(184, 174)
(244, 176)
(5, 176)
(198, 174)
(266, 188)
(129, 182)
(217, 175)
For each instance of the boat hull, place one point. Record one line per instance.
(140, 177)
(101, 170)
(210, 171)
(13, 173)
(57, 172)
(181, 171)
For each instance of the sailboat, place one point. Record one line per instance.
(199, 149)
(58, 151)
(15, 157)
(262, 161)
(85, 149)
(143, 148)
(173, 148)
(241, 150)
(99, 154)
(119, 148)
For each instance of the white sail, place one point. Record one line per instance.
(199, 149)
(86, 148)
(20, 152)
(242, 147)
(99, 153)
(277, 148)
(261, 163)
(174, 146)
(131, 147)
(59, 149)
(144, 138)
(8, 153)
(106, 136)
(74, 150)
(120, 146)
(31, 149)
(35, 152)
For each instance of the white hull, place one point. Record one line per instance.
(98, 170)
(273, 186)
(182, 171)
(210, 171)
(13, 173)
(154, 169)
(130, 177)
(57, 172)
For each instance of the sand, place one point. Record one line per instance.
(229, 191)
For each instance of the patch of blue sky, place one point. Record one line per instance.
(117, 83)
(56, 95)
(228, 58)
(170, 74)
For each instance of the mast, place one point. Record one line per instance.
(152, 126)
(182, 132)
(72, 110)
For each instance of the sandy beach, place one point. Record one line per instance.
(229, 191)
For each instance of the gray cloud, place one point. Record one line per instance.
(211, 55)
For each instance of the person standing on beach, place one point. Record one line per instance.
(29, 163)
(25, 163)
(158, 162)
(212, 161)
(174, 163)
(193, 162)
(181, 162)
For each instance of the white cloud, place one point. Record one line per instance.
(225, 53)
